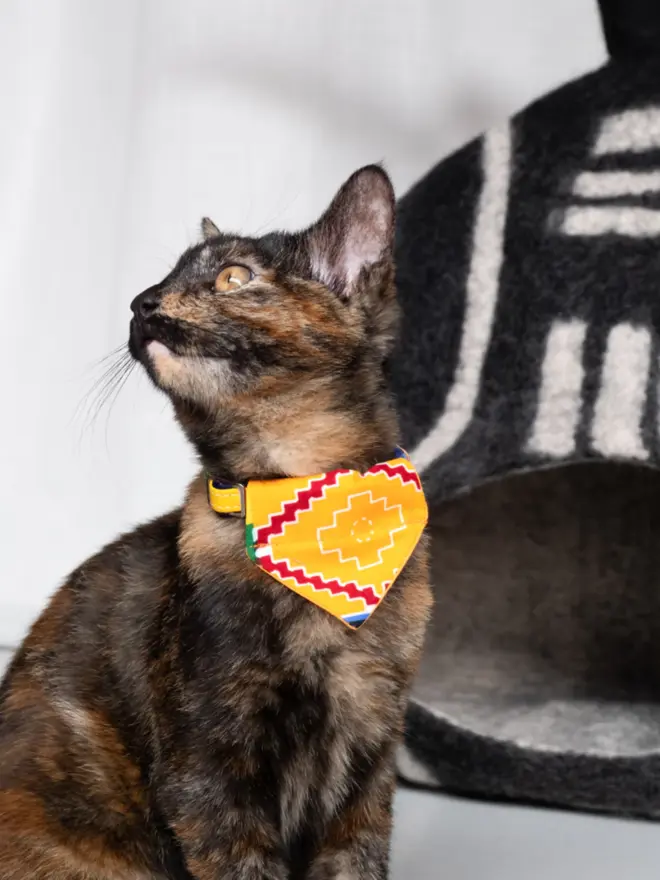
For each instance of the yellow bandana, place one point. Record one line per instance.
(338, 539)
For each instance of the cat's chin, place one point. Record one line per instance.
(157, 350)
(204, 381)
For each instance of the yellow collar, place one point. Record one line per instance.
(338, 539)
(226, 498)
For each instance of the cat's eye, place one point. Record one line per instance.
(232, 277)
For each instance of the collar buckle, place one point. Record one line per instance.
(226, 499)
(240, 513)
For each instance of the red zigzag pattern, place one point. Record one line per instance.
(291, 508)
(397, 470)
(317, 583)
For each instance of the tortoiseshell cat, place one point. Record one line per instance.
(175, 712)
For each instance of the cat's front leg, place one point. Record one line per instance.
(357, 846)
(240, 850)
(227, 832)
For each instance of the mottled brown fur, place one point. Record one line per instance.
(176, 713)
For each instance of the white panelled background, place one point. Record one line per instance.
(121, 123)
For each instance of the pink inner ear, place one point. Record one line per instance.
(355, 232)
(366, 240)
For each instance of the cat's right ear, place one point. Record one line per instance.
(208, 228)
(355, 233)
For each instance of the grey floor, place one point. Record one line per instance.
(445, 838)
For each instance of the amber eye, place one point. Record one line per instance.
(232, 277)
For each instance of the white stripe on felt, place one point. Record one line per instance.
(560, 395)
(617, 422)
(481, 298)
(632, 131)
(611, 184)
(592, 220)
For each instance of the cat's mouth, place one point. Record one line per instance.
(173, 362)
(147, 340)
(152, 348)
(161, 335)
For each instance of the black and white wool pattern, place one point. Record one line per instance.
(529, 275)
(529, 265)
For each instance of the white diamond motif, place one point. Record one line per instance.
(347, 509)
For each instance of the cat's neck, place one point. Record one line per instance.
(292, 435)
(297, 433)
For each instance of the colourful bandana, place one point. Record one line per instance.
(338, 539)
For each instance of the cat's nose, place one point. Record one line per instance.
(146, 303)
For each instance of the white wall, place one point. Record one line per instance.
(122, 122)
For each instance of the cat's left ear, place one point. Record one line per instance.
(208, 228)
(356, 233)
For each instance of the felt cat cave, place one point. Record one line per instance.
(527, 378)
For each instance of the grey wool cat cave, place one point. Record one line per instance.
(528, 382)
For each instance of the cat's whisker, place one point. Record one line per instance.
(105, 388)
(113, 354)
(109, 387)
(87, 404)
(115, 390)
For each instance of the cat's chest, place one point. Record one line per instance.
(348, 712)
(354, 672)
(292, 677)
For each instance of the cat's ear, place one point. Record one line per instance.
(208, 228)
(355, 233)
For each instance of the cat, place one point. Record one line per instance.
(175, 712)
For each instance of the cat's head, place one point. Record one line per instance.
(246, 326)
